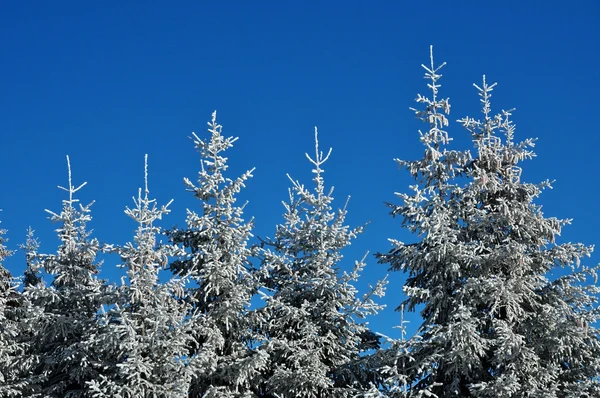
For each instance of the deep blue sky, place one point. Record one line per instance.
(107, 82)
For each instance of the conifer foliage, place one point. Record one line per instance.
(494, 324)
(218, 264)
(9, 327)
(508, 309)
(18, 319)
(69, 305)
(143, 340)
(314, 339)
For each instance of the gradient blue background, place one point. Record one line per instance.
(107, 82)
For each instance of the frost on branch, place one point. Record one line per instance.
(144, 338)
(69, 305)
(494, 323)
(314, 339)
(10, 383)
(217, 260)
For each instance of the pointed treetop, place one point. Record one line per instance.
(485, 92)
(146, 210)
(319, 159)
(71, 190)
(432, 74)
(146, 175)
(429, 114)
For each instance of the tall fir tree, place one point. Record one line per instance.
(69, 305)
(312, 317)
(495, 324)
(218, 261)
(143, 340)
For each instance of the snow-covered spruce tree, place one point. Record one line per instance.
(69, 305)
(427, 213)
(18, 320)
(218, 263)
(143, 341)
(311, 319)
(10, 348)
(495, 324)
(22, 315)
(545, 339)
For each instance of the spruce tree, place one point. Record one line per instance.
(9, 328)
(69, 305)
(218, 264)
(495, 323)
(18, 322)
(312, 317)
(143, 339)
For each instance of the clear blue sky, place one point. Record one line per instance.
(107, 82)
